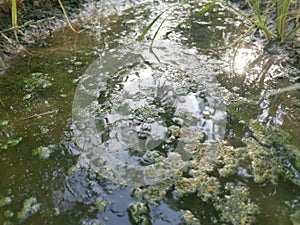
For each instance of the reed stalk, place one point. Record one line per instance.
(14, 16)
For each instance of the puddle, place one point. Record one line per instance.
(100, 130)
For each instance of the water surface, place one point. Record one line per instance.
(97, 129)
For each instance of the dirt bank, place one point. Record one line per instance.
(36, 21)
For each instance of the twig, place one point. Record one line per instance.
(42, 114)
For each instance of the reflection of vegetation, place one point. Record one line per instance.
(191, 18)
(286, 18)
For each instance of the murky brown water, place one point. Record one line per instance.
(95, 129)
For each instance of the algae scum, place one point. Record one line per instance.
(101, 130)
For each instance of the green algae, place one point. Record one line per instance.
(43, 152)
(36, 81)
(5, 201)
(265, 164)
(212, 167)
(10, 143)
(236, 207)
(295, 217)
(139, 214)
(267, 135)
(228, 160)
(30, 207)
(189, 218)
(8, 214)
(3, 122)
(101, 205)
(152, 194)
(276, 155)
(294, 154)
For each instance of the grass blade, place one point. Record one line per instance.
(145, 31)
(199, 13)
(282, 11)
(2, 103)
(14, 16)
(14, 13)
(157, 30)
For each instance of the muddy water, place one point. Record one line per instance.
(97, 129)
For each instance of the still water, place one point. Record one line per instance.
(96, 128)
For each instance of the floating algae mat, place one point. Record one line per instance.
(103, 130)
(127, 106)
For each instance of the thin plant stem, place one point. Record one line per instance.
(2, 63)
(42, 114)
(67, 17)
(14, 16)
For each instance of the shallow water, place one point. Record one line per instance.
(97, 129)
